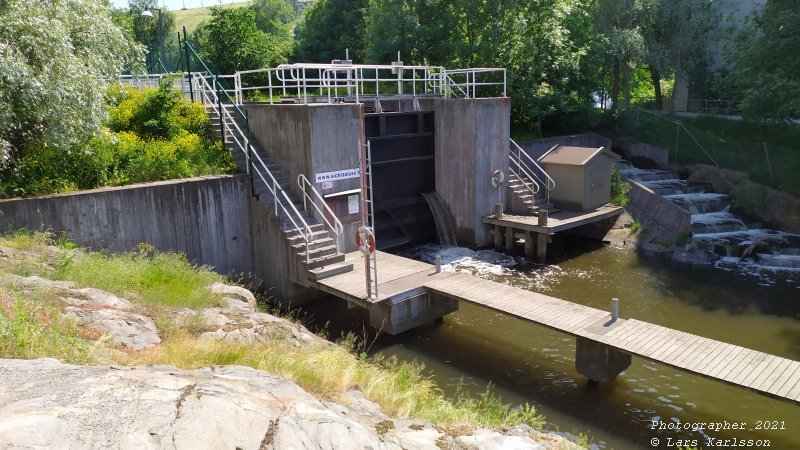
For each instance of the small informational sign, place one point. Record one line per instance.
(352, 204)
(337, 175)
(326, 185)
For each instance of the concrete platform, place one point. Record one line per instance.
(556, 221)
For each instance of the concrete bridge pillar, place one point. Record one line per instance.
(599, 362)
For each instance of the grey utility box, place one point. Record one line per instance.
(582, 176)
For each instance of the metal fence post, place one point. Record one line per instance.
(219, 109)
(188, 65)
(249, 150)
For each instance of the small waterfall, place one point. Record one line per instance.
(716, 222)
(447, 237)
(673, 187)
(644, 175)
(701, 202)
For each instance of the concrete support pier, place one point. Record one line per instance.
(599, 362)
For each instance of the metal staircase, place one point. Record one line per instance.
(529, 185)
(315, 243)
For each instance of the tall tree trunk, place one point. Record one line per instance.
(615, 86)
(627, 85)
(655, 76)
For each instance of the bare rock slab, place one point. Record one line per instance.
(125, 328)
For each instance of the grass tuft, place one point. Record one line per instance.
(31, 328)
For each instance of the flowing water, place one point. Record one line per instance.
(531, 364)
(735, 245)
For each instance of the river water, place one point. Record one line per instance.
(528, 363)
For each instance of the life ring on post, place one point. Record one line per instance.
(365, 240)
(497, 178)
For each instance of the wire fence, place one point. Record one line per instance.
(773, 164)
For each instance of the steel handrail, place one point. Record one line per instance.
(272, 184)
(336, 226)
(550, 184)
(533, 187)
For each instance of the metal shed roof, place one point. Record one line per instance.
(573, 156)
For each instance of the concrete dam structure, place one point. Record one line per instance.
(338, 170)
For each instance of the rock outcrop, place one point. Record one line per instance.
(44, 403)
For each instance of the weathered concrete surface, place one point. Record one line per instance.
(472, 140)
(205, 218)
(599, 362)
(652, 209)
(398, 315)
(44, 403)
(643, 155)
(310, 139)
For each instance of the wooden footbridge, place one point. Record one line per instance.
(408, 291)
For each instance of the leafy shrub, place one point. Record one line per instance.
(619, 189)
(152, 134)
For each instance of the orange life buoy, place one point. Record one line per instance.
(365, 240)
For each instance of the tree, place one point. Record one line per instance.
(231, 41)
(677, 35)
(57, 60)
(765, 65)
(156, 34)
(328, 28)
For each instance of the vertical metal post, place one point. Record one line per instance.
(219, 110)
(614, 309)
(438, 263)
(188, 65)
(249, 150)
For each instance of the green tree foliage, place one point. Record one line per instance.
(56, 59)
(232, 41)
(156, 33)
(765, 63)
(545, 45)
(328, 27)
(677, 36)
(154, 134)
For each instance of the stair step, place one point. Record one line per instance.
(316, 252)
(300, 247)
(294, 237)
(323, 261)
(323, 273)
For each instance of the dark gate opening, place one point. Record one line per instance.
(402, 145)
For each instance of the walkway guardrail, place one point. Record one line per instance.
(334, 82)
(526, 166)
(212, 95)
(491, 81)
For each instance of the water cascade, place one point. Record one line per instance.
(714, 228)
(447, 237)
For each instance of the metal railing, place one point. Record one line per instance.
(527, 167)
(212, 95)
(333, 82)
(310, 194)
(470, 81)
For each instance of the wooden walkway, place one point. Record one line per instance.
(763, 373)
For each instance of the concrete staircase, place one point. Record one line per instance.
(314, 248)
(521, 200)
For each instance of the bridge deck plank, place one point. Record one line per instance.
(767, 374)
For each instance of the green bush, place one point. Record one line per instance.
(152, 134)
(619, 189)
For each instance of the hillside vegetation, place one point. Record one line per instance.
(192, 17)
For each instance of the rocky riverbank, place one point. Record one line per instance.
(124, 396)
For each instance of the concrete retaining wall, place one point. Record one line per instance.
(650, 207)
(212, 220)
(636, 151)
(206, 218)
